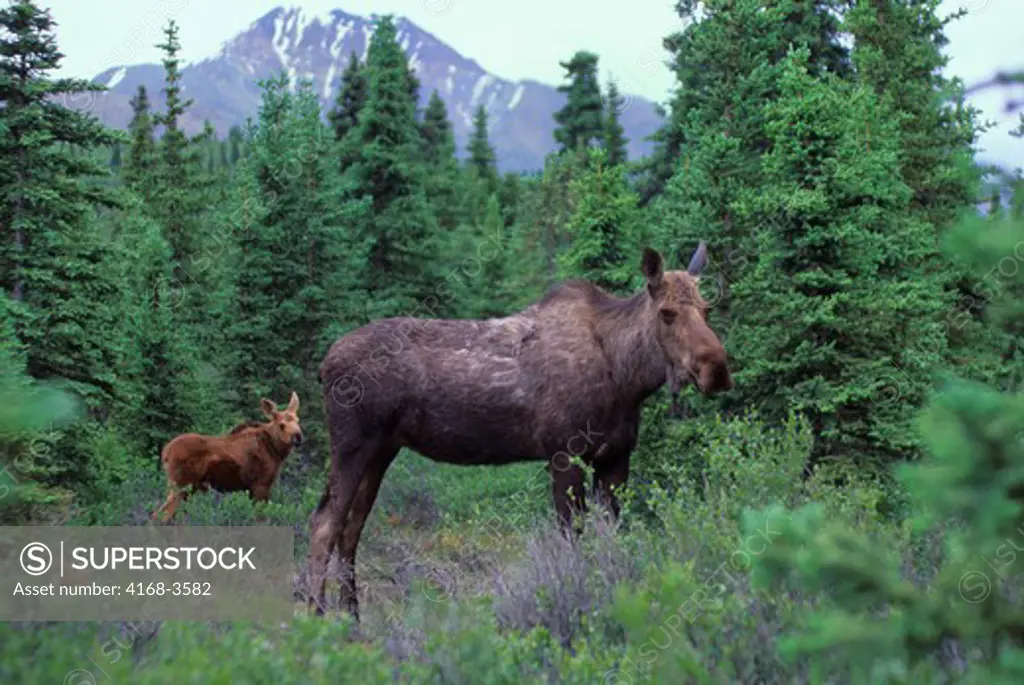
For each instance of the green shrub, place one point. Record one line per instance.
(959, 618)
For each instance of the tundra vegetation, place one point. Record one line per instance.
(850, 511)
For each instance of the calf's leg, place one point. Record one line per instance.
(161, 513)
(260, 493)
(175, 497)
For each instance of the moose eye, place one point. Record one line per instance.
(667, 315)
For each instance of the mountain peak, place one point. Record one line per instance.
(315, 47)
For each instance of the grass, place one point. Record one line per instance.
(464, 579)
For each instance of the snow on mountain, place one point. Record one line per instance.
(316, 47)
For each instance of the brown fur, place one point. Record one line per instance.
(247, 458)
(243, 426)
(675, 386)
(564, 377)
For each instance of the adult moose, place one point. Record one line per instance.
(248, 458)
(566, 375)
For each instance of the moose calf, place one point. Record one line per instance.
(248, 458)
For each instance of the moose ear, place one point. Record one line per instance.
(293, 403)
(653, 268)
(699, 260)
(267, 407)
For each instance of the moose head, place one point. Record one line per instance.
(284, 425)
(679, 315)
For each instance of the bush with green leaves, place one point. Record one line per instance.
(31, 416)
(694, 616)
(967, 623)
(664, 594)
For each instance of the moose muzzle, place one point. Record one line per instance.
(713, 373)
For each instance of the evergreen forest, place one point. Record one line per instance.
(851, 511)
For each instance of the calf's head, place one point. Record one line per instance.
(679, 317)
(284, 425)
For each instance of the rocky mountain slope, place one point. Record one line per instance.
(317, 48)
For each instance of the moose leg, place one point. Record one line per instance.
(321, 546)
(175, 497)
(260, 493)
(353, 530)
(171, 497)
(568, 493)
(328, 521)
(607, 477)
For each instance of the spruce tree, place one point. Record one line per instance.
(509, 195)
(142, 154)
(1012, 327)
(614, 135)
(604, 228)
(1016, 208)
(527, 261)
(60, 268)
(656, 169)
(51, 235)
(546, 213)
(711, 145)
(899, 53)
(235, 144)
(824, 325)
(442, 167)
(967, 489)
(995, 205)
(580, 121)
(179, 160)
(292, 251)
(350, 100)
(183, 198)
(493, 247)
(480, 179)
(160, 361)
(482, 159)
(438, 141)
(483, 289)
(412, 86)
(387, 172)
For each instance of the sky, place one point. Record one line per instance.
(515, 40)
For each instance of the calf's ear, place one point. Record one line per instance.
(293, 403)
(267, 407)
